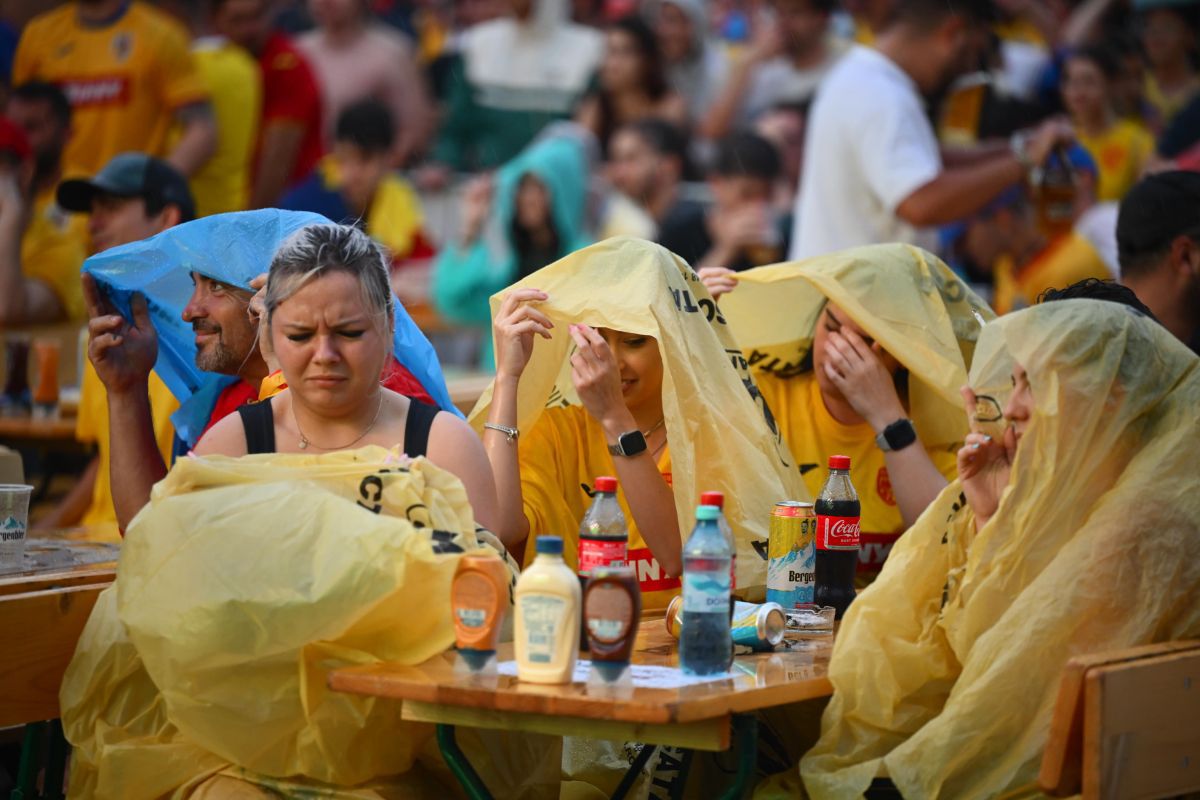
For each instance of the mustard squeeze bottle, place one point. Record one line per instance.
(547, 607)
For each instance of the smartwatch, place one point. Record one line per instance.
(897, 436)
(629, 443)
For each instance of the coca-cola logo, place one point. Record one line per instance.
(844, 527)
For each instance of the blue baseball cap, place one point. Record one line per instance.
(131, 175)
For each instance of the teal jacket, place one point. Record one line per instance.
(464, 278)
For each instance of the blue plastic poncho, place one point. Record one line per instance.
(231, 248)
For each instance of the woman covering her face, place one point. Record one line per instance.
(615, 361)
(330, 317)
(1073, 528)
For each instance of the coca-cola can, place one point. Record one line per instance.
(791, 553)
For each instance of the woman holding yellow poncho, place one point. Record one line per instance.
(862, 353)
(634, 358)
(1077, 530)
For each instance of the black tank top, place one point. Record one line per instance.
(258, 421)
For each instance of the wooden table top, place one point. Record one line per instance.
(58, 429)
(69, 557)
(758, 680)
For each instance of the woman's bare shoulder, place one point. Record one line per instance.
(226, 438)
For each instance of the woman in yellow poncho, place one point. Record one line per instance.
(633, 356)
(862, 353)
(1074, 529)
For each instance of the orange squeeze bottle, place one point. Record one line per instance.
(478, 599)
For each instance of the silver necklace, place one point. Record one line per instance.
(304, 441)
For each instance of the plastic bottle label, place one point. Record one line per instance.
(837, 533)
(706, 592)
(543, 617)
(601, 553)
(472, 617)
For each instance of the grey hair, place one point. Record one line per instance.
(318, 250)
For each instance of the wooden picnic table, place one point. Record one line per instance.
(25, 429)
(701, 716)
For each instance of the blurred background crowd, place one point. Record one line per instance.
(479, 140)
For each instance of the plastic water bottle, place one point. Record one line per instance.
(705, 644)
(603, 537)
(718, 499)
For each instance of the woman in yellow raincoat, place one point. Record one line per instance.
(1074, 528)
(861, 353)
(636, 376)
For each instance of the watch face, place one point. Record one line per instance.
(632, 443)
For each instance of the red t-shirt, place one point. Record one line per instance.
(234, 396)
(401, 381)
(291, 93)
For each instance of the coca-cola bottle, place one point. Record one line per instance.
(838, 514)
(603, 537)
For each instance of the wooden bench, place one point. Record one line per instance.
(1126, 725)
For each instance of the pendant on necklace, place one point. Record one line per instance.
(303, 443)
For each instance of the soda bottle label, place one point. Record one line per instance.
(706, 592)
(837, 533)
(601, 553)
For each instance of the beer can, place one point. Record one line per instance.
(791, 554)
(757, 625)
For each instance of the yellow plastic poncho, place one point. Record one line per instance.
(946, 669)
(720, 437)
(241, 585)
(902, 296)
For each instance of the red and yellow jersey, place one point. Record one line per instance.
(1066, 260)
(560, 458)
(125, 79)
(813, 435)
(1120, 154)
(53, 248)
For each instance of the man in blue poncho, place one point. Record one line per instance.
(199, 275)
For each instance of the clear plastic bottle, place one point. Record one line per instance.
(603, 537)
(838, 511)
(705, 644)
(718, 499)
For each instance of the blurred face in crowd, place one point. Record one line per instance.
(1166, 37)
(360, 172)
(835, 321)
(224, 336)
(731, 192)
(533, 204)
(675, 33)
(958, 46)
(120, 220)
(337, 13)
(1019, 408)
(639, 364)
(243, 22)
(1084, 89)
(622, 67)
(784, 128)
(804, 25)
(1127, 92)
(47, 136)
(636, 169)
(329, 344)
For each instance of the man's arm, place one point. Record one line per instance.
(278, 151)
(123, 354)
(22, 300)
(199, 139)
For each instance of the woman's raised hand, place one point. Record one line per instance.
(515, 325)
(984, 465)
(597, 378)
(718, 280)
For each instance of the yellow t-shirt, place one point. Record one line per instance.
(92, 426)
(53, 249)
(813, 435)
(1068, 259)
(1120, 154)
(560, 458)
(1164, 106)
(235, 85)
(124, 80)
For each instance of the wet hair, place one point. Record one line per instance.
(1103, 56)
(319, 250)
(1096, 289)
(746, 155)
(368, 125)
(48, 93)
(1158, 209)
(929, 14)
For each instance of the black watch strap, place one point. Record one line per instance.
(897, 436)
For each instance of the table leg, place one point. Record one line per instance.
(745, 741)
(456, 759)
(635, 769)
(31, 759)
(56, 762)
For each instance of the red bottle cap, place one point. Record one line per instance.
(839, 462)
(712, 499)
(606, 484)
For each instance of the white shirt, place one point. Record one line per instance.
(869, 146)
